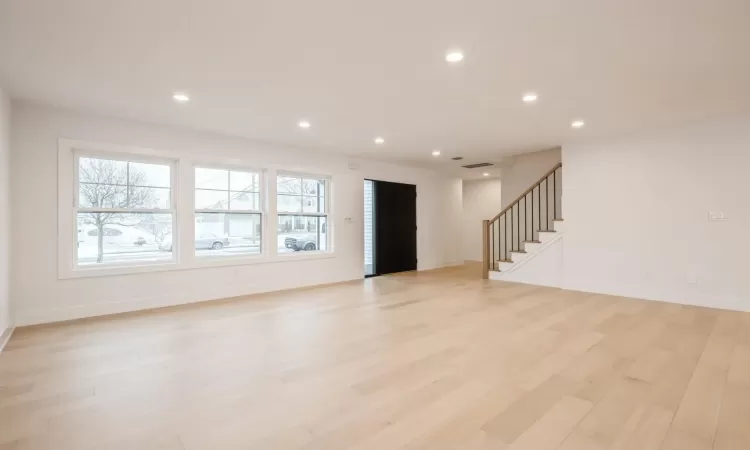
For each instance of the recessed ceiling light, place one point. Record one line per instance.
(180, 97)
(578, 124)
(379, 140)
(530, 97)
(304, 124)
(436, 153)
(486, 174)
(454, 56)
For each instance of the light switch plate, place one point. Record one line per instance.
(716, 216)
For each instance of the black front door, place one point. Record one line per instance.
(395, 227)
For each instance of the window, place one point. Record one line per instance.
(228, 212)
(124, 211)
(302, 205)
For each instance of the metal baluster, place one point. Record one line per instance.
(532, 214)
(505, 255)
(554, 193)
(539, 206)
(546, 205)
(518, 227)
(511, 229)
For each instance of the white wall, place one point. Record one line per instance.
(5, 313)
(39, 296)
(524, 170)
(482, 200)
(543, 268)
(636, 215)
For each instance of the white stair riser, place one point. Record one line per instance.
(545, 236)
(517, 256)
(531, 247)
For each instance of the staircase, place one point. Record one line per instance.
(525, 229)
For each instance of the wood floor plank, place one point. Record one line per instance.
(553, 427)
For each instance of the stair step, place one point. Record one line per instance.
(558, 220)
(533, 242)
(547, 231)
(518, 251)
(505, 260)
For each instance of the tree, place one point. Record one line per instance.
(106, 184)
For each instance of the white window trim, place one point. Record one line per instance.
(328, 214)
(183, 187)
(219, 260)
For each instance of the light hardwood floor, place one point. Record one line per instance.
(438, 360)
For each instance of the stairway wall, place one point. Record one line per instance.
(544, 268)
(481, 201)
(637, 215)
(521, 171)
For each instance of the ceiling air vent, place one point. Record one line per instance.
(476, 166)
(457, 158)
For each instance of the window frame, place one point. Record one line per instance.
(128, 158)
(263, 210)
(69, 154)
(182, 205)
(326, 212)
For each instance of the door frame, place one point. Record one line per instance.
(375, 233)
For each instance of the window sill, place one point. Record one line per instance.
(303, 256)
(208, 262)
(106, 271)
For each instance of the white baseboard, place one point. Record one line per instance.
(715, 302)
(51, 315)
(5, 337)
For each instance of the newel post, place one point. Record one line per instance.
(485, 249)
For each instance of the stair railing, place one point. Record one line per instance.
(521, 221)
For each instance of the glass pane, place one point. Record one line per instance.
(211, 178)
(92, 195)
(103, 184)
(311, 187)
(102, 171)
(244, 201)
(211, 199)
(244, 181)
(155, 175)
(288, 185)
(149, 197)
(220, 234)
(289, 203)
(312, 204)
(122, 239)
(302, 233)
(369, 228)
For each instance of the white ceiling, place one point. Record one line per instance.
(358, 69)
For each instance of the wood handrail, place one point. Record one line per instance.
(526, 192)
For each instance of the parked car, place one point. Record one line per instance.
(211, 241)
(116, 238)
(306, 243)
(203, 242)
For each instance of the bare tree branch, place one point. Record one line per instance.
(109, 184)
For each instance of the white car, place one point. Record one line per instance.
(203, 242)
(117, 239)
